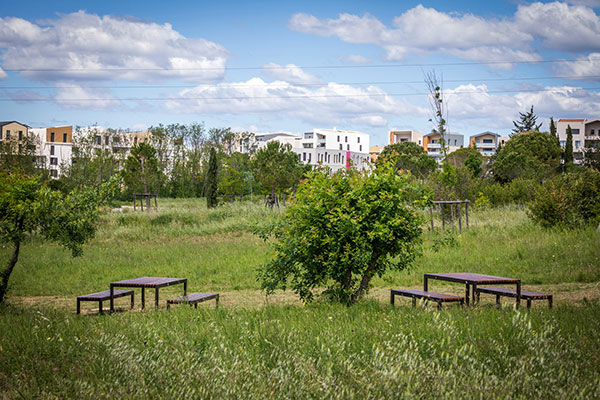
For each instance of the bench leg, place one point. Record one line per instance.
(217, 302)
(467, 294)
(100, 306)
(414, 301)
(439, 305)
(528, 304)
(78, 306)
(391, 298)
(131, 308)
(143, 298)
(550, 302)
(156, 298)
(196, 305)
(498, 300)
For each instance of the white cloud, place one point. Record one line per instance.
(587, 68)
(106, 48)
(331, 103)
(290, 73)
(75, 96)
(422, 30)
(355, 59)
(2, 74)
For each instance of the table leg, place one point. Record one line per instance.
(467, 294)
(131, 301)
(79, 306)
(112, 299)
(425, 285)
(185, 287)
(518, 294)
(143, 298)
(550, 301)
(391, 297)
(156, 298)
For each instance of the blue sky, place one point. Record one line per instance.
(269, 66)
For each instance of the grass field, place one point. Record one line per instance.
(257, 347)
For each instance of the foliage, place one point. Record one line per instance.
(517, 191)
(19, 155)
(526, 123)
(568, 200)
(533, 155)
(458, 157)
(341, 231)
(568, 157)
(438, 108)
(408, 156)
(27, 205)
(473, 163)
(276, 167)
(212, 179)
(235, 176)
(141, 173)
(591, 152)
(552, 129)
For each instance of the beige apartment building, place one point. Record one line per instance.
(406, 136)
(487, 143)
(13, 131)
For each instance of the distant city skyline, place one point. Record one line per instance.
(270, 66)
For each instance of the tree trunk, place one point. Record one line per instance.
(364, 283)
(9, 268)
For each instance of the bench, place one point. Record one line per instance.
(526, 295)
(101, 296)
(193, 299)
(420, 294)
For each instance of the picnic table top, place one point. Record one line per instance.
(471, 278)
(148, 281)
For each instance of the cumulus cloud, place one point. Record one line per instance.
(76, 96)
(587, 68)
(81, 46)
(331, 103)
(422, 30)
(355, 59)
(290, 73)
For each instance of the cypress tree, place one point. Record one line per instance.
(211, 179)
(569, 147)
(553, 128)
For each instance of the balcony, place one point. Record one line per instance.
(488, 153)
(434, 146)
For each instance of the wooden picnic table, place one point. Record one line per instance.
(146, 282)
(472, 280)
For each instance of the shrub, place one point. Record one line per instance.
(568, 200)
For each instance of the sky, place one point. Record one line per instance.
(291, 66)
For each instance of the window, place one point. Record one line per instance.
(8, 134)
(52, 136)
(20, 135)
(53, 173)
(476, 140)
(578, 143)
(341, 146)
(308, 157)
(360, 147)
(64, 138)
(359, 139)
(592, 133)
(98, 140)
(53, 161)
(348, 147)
(488, 141)
(106, 140)
(575, 131)
(563, 143)
(0, 134)
(135, 143)
(303, 156)
(338, 138)
(346, 139)
(51, 150)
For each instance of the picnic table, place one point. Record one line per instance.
(472, 280)
(146, 282)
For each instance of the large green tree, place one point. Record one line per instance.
(26, 204)
(341, 231)
(141, 173)
(533, 155)
(234, 178)
(276, 167)
(526, 122)
(408, 156)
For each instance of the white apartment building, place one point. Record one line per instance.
(585, 132)
(56, 148)
(487, 143)
(334, 148)
(406, 136)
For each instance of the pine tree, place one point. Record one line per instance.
(211, 179)
(553, 128)
(526, 123)
(569, 147)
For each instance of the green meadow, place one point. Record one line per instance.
(256, 347)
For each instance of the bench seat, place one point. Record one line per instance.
(526, 295)
(420, 294)
(193, 299)
(101, 296)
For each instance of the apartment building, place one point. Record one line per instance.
(433, 146)
(13, 131)
(333, 148)
(578, 127)
(406, 136)
(487, 143)
(55, 148)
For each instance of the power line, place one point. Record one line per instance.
(243, 85)
(276, 67)
(288, 97)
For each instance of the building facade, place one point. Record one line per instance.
(333, 148)
(406, 136)
(433, 146)
(487, 143)
(578, 130)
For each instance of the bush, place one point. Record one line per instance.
(568, 200)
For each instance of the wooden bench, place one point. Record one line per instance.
(193, 299)
(420, 294)
(101, 296)
(526, 295)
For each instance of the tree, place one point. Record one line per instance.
(26, 204)
(234, 174)
(473, 163)
(458, 157)
(141, 173)
(526, 123)
(341, 231)
(211, 179)
(568, 158)
(534, 155)
(408, 156)
(553, 128)
(20, 155)
(438, 108)
(591, 153)
(276, 167)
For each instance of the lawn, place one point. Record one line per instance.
(257, 347)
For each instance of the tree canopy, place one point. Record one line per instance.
(526, 123)
(341, 231)
(276, 167)
(408, 156)
(530, 155)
